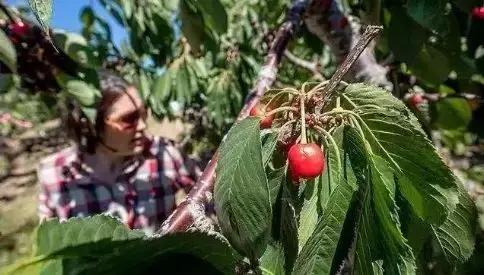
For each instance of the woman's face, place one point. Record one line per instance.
(125, 126)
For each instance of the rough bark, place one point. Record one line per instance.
(326, 20)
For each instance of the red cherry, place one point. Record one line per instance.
(478, 13)
(306, 161)
(19, 28)
(415, 100)
(258, 111)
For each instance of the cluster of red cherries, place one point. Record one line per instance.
(38, 61)
(478, 13)
(305, 160)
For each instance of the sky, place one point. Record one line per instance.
(66, 16)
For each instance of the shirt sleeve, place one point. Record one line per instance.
(188, 171)
(183, 170)
(45, 209)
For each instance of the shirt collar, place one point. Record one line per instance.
(130, 164)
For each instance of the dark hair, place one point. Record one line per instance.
(79, 127)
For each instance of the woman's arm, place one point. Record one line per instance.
(187, 170)
(45, 209)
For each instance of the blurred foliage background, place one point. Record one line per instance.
(195, 61)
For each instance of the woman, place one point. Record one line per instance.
(114, 166)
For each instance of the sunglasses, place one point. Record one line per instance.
(130, 121)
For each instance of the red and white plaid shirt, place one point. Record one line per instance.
(142, 196)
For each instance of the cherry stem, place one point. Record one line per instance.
(298, 139)
(281, 129)
(317, 87)
(303, 115)
(370, 33)
(342, 111)
(354, 119)
(330, 138)
(281, 109)
(284, 91)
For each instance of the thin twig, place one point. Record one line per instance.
(370, 33)
(313, 67)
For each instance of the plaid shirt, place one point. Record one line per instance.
(142, 196)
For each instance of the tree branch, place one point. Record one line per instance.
(326, 20)
(370, 33)
(313, 67)
(192, 210)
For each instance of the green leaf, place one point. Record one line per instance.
(451, 113)
(429, 14)
(198, 65)
(241, 194)
(53, 236)
(405, 47)
(180, 253)
(114, 10)
(275, 179)
(398, 256)
(317, 255)
(127, 7)
(269, 142)
(457, 235)
(224, 97)
(380, 241)
(143, 82)
(161, 93)
(395, 135)
(90, 113)
(285, 224)
(42, 10)
(86, 94)
(308, 216)
(464, 66)
(357, 158)
(8, 56)
(171, 4)
(272, 261)
(214, 15)
(27, 266)
(192, 76)
(103, 245)
(367, 244)
(77, 48)
(431, 65)
(7, 82)
(87, 16)
(183, 92)
(191, 26)
(331, 177)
